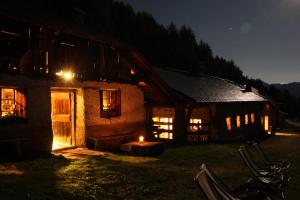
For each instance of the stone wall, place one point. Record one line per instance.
(131, 120)
(36, 130)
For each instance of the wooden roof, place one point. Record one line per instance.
(156, 90)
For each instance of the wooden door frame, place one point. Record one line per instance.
(72, 94)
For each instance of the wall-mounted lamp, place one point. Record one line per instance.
(66, 75)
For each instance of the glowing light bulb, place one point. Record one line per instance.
(68, 75)
(141, 138)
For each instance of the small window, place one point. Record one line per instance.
(246, 119)
(163, 127)
(238, 121)
(195, 125)
(13, 102)
(110, 103)
(252, 118)
(228, 123)
(266, 122)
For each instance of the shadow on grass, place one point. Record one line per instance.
(31, 179)
(115, 176)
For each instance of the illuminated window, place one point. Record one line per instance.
(163, 127)
(238, 121)
(266, 123)
(132, 71)
(13, 102)
(228, 123)
(110, 103)
(246, 119)
(195, 125)
(252, 118)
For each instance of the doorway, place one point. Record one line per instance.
(62, 115)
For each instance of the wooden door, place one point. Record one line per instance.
(62, 118)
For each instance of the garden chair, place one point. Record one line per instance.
(262, 168)
(269, 180)
(215, 189)
(279, 164)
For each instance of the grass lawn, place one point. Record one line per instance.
(169, 176)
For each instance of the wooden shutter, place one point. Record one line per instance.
(118, 102)
(21, 104)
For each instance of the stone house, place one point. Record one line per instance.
(61, 87)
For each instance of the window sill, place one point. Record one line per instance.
(12, 120)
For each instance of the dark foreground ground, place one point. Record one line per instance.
(169, 176)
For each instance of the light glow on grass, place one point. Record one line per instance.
(10, 170)
(129, 159)
(58, 145)
(287, 134)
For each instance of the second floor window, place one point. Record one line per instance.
(110, 103)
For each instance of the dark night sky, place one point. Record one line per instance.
(261, 36)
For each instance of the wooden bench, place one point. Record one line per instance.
(111, 142)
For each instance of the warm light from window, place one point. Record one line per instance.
(246, 119)
(166, 135)
(164, 127)
(228, 123)
(238, 121)
(155, 119)
(141, 138)
(132, 72)
(12, 102)
(195, 124)
(252, 118)
(106, 100)
(266, 123)
(142, 83)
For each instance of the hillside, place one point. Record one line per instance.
(293, 88)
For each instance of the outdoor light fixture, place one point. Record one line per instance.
(67, 75)
(141, 138)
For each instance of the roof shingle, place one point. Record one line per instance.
(207, 88)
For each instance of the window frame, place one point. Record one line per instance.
(114, 110)
(158, 129)
(17, 115)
